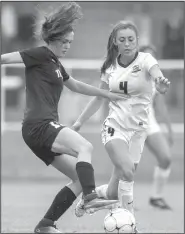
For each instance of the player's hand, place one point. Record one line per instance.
(76, 126)
(162, 84)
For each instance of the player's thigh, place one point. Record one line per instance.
(158, 145)
(119, 154)
(136, 146)
(67, 165)
(68, 138)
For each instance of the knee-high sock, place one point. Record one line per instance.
(63, 200)
(85, 173)
(125, 194)
(159, 181)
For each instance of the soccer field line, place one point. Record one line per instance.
(16, 126)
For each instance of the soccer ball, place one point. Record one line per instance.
(119, 220)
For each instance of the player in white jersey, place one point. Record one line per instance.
(158, 144)
(130, 73)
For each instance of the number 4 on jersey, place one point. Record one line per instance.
(123, 86)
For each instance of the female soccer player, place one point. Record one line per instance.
(45, 136)
(132, 73)
(158, 144)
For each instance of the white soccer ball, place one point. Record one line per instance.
(119, 220)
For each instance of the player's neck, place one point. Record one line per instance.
(127, 59)
(53, 49)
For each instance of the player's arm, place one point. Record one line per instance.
(161, 108)
(13, 57)
(92, 107)
(89, 90)
(161, 83)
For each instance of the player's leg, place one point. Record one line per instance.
(116, 142)
(119, 154)
(71, 139)
(110, 190)
(65, 197)
(158, 145)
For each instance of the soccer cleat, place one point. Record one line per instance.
(159, 203)
(48, 229)
(91, 203)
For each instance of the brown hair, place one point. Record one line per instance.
(60, 22)
(112, 50)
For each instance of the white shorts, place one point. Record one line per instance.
(135, 139)
(153, 126)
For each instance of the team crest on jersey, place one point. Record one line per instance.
(136, 68)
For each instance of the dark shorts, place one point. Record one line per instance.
(39, 136)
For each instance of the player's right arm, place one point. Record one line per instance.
(91, 108)
(9, 58)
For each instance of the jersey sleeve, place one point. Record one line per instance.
(34, 56)
(150, 61)
(64, 73)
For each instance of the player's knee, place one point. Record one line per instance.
(165, 162)
(86, 146)
(127, 172)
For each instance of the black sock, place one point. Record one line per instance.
(85, 173)
(63, 200)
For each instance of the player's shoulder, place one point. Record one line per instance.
(146, 59)
(144, 55)
(39, 52)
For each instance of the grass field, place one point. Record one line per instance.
(28, 188)
(24, 203)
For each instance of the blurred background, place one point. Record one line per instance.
(159, 23)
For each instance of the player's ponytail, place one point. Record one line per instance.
(112, 53)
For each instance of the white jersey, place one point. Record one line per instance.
(135, 81)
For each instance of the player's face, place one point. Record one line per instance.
(64, 44)
(127, 42)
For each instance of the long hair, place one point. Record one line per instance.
(112, 49)
(60, 22)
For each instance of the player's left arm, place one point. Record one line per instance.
(161, 108)
(161, 83)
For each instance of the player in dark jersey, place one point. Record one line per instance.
(46, 137)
